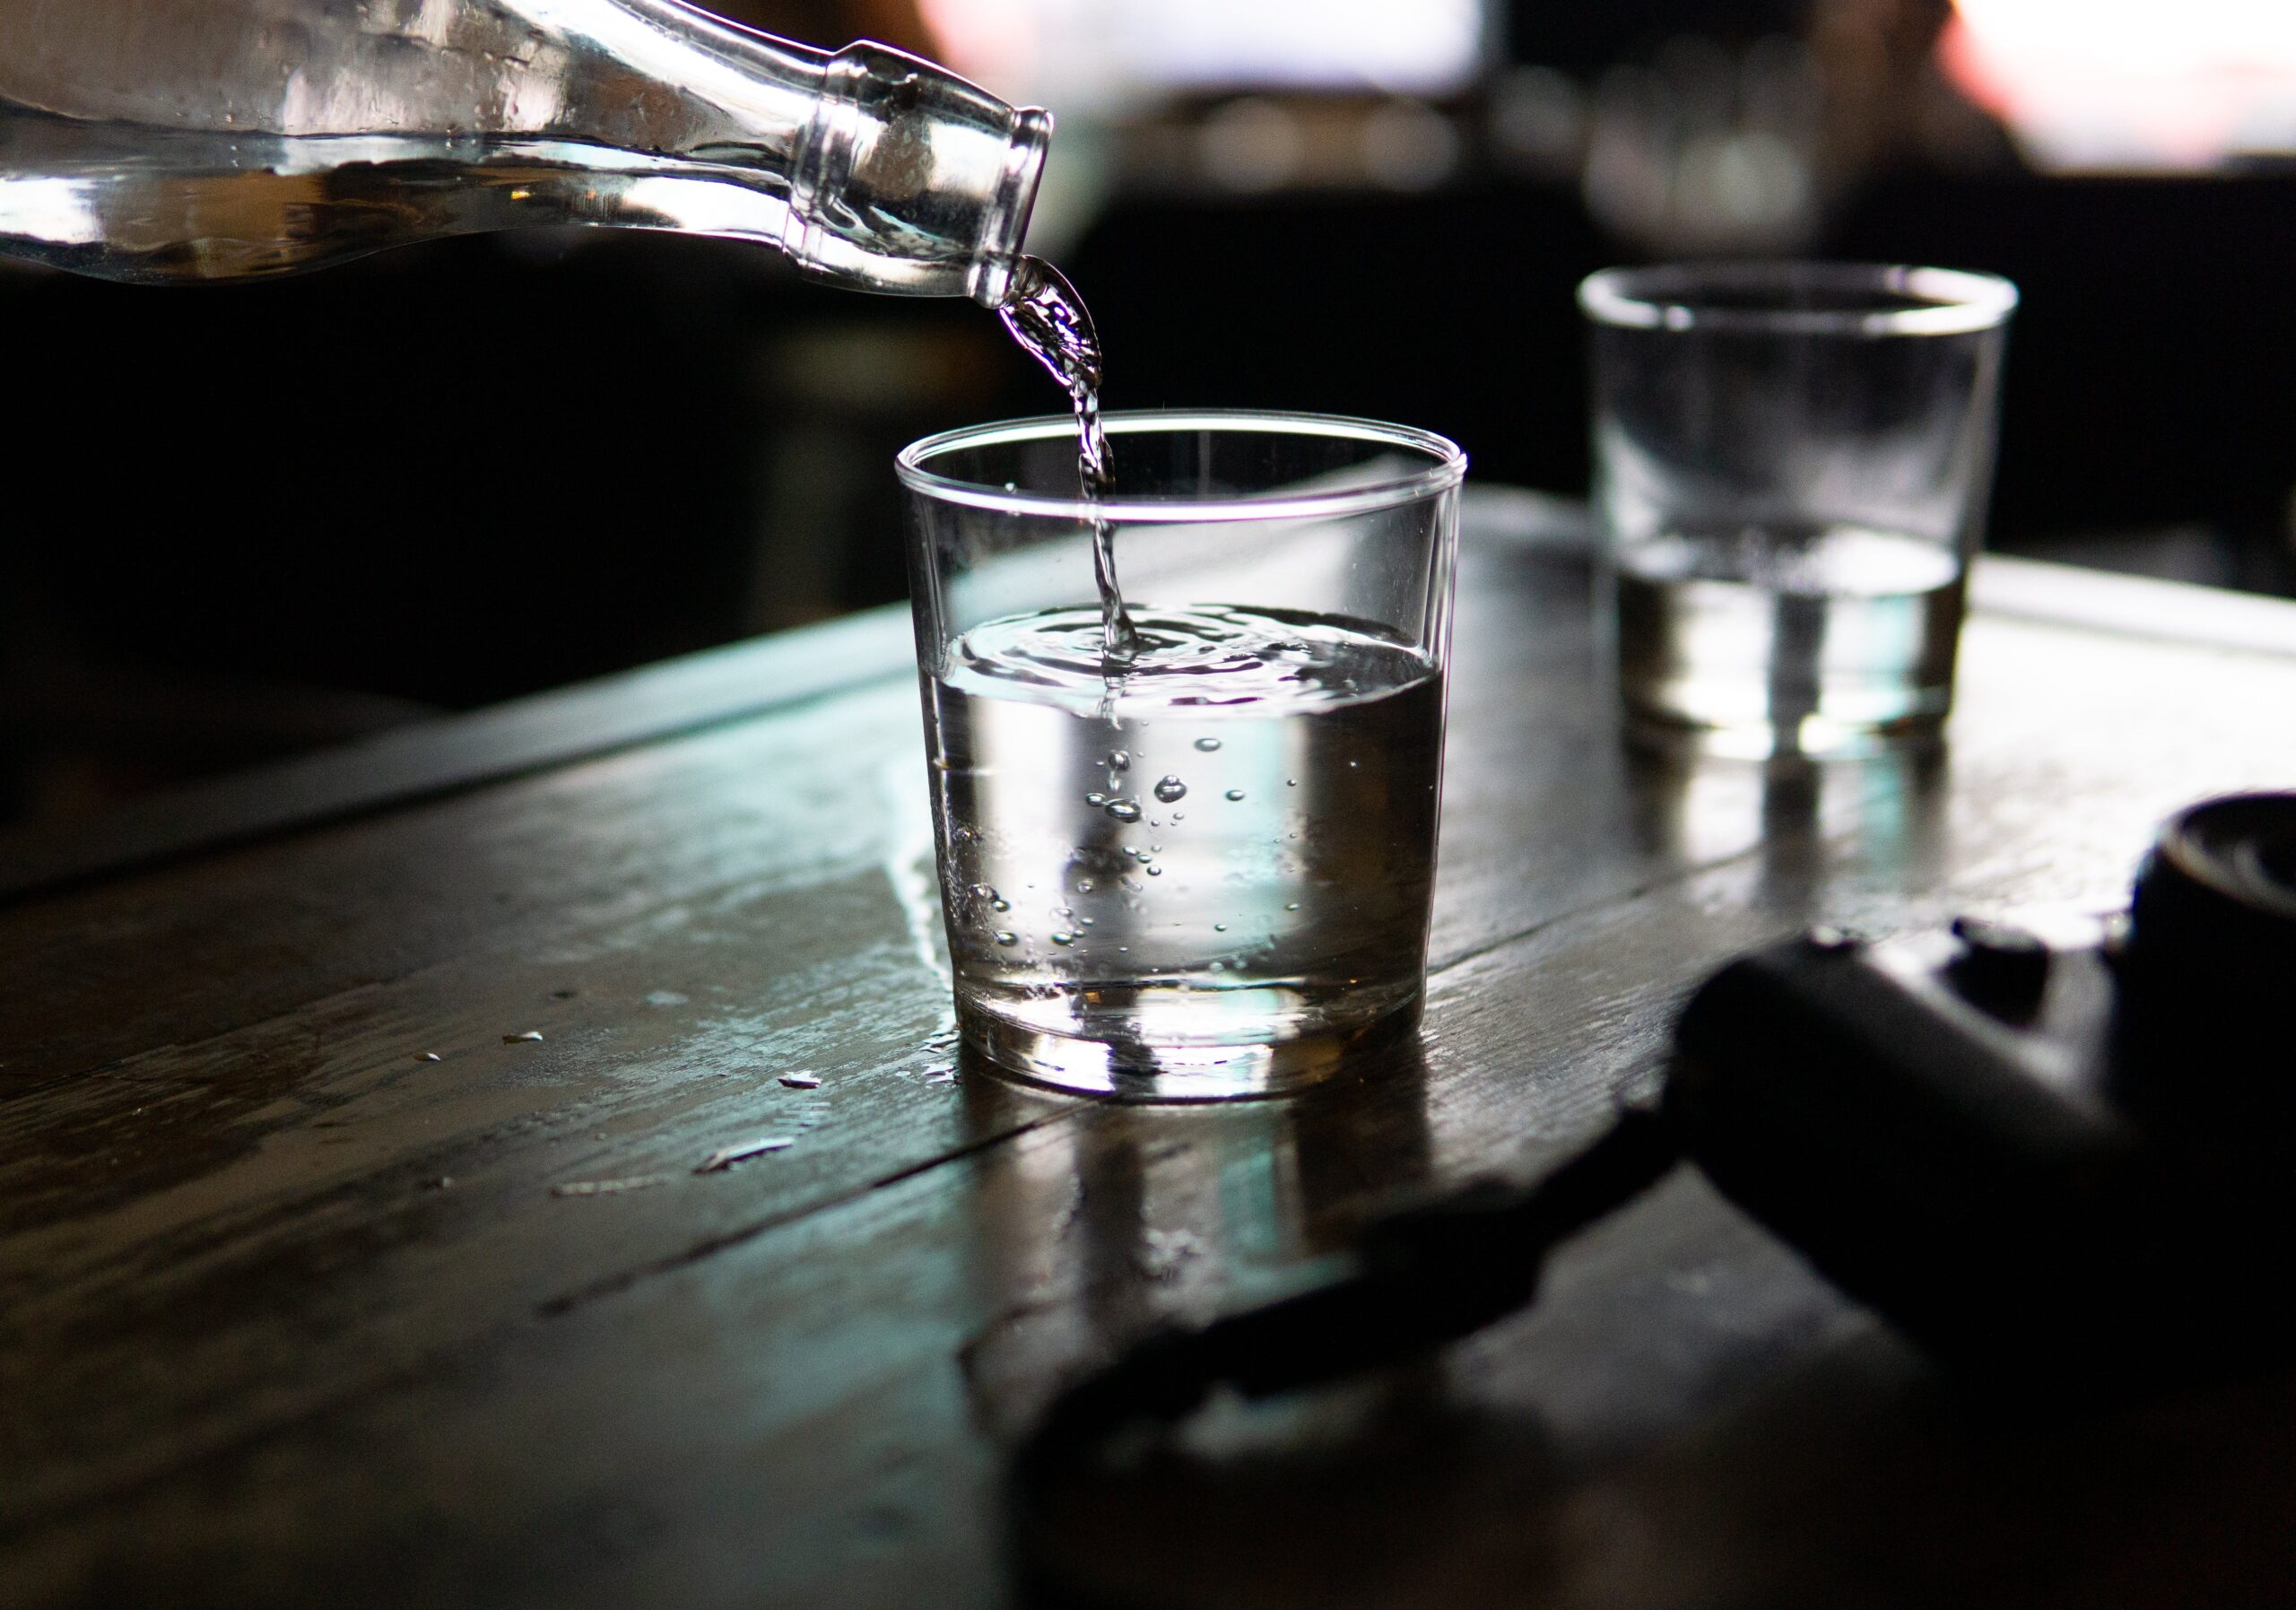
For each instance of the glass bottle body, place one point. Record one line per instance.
(164, 140)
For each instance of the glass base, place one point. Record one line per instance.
(1142, 1072)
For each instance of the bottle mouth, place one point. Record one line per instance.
(1004, 224)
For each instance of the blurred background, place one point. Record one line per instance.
(249, 520)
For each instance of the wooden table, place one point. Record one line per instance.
(313, 1291)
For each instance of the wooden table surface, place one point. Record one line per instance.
(307, 1295)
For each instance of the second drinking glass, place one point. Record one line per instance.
(1791, 467)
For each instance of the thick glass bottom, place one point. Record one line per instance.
(1128, 1067)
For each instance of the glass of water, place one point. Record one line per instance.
(1190, 859)
(1792, 461)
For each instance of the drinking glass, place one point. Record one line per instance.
(1202, 870)
(1792, 461)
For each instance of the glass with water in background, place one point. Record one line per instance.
(1792, 461)
(1186, 835)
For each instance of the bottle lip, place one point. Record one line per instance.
(1004, 224)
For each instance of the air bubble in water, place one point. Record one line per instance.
(1064, 938)
(1207, 745)
(1155, 872)
(1096, 798)
(983, 891)
(1291, 782)
(1118, 761)
(1083, 885)
(1123, 810)
(1235, 793)
(1219, 928)
(1000, 904)
(1006, 936)
(1171, 789)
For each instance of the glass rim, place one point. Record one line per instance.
(1447, 468)
(1956, 301)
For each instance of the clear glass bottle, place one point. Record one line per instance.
(168, 140)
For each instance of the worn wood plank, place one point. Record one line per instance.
(803, 1386)
(512, 739)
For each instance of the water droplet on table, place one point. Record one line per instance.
(726, 1157)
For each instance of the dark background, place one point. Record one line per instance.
(249, 519)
